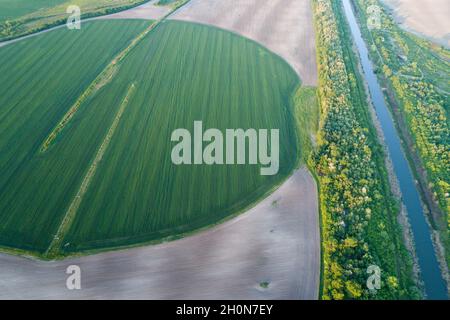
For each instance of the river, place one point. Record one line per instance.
(435, 286)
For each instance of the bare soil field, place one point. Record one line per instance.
(277, 242)
(283, 26)
(429, 18)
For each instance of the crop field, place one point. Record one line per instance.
(115, 150)
(21, 17)
(358, 226)
(37, 88)
(12, 9)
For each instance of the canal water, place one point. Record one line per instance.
(435, 286)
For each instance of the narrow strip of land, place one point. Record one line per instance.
(72, 210)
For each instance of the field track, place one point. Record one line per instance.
(277, 241)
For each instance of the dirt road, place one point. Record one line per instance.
(147, 11)
(275, 242)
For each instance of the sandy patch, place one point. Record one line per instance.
(277, 241)
(430, 18)
(283, 26)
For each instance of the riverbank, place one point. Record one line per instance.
(434, 284)
(410, 71)
(357, 207)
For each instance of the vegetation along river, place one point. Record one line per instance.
(435, 286)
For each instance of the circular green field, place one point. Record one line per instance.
(180, 73)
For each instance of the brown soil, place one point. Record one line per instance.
(278, 241)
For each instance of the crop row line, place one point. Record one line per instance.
(75, 204)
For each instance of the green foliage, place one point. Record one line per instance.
(12, 9)
(417, 73)
(358, 211)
